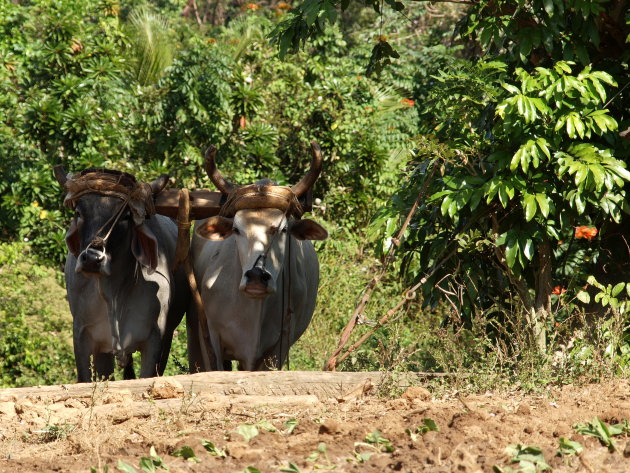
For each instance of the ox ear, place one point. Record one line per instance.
(306, 229)
(215, 228)
(144, 247)
(73, 239)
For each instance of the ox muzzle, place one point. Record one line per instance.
(94, 261)
(257, 280)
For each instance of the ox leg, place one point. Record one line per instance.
(87, 356)
(128, 371)
(150, 356)
(166, 350)
(103, 365)
(193, 335)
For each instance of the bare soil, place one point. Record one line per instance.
(63, 430)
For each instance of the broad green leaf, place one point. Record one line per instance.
(511, 252)
(187, 453)
(529, 205)
(212, 449)
(618, 288)
(248, 431)
(528, 249)
(543, 204)
(569, 447)
(290, 425)
(583, 296)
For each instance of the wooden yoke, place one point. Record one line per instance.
(182, 255)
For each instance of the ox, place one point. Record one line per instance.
(123, 294)
(257, 270)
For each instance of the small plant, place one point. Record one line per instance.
(290, 425)
(249, 469)
(428, 425)
(212, 449)
(602, 431)
(187, 453)
(569, 447)
(377, 439)
(54, 432)
(529, 459)
(248, 431)
(151, 463)
(292, 468)
(266, 425)
(321, 453)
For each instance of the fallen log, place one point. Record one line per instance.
(259, 383)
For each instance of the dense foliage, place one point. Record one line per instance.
(85, 87)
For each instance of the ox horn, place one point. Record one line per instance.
(313, 173)
(60, 174)
(214, 174)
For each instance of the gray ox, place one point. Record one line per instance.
(123, 294)
(257, 271)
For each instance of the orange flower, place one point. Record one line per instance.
(558, 290)
(408, 102)
(283, 6)
(585, 232)
(252, 6)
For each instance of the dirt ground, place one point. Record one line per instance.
(57, 431)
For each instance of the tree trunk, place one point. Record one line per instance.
(540, 313)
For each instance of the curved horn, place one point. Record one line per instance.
(313, 173)
(60, 174)
(158, 184)
(214, 174)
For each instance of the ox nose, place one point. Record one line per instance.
(92, 255)
(93, 261)
(258, 276)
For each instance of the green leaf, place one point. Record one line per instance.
(292, 468)
(618, 288)
(290, 425)
(511, 251)
(187, 453)
(125, 467)
(147, 465)
(213, 450)
(569, 447)
(528, 249)
(268, 426)
(598, 429)
(248, 431)
(543, 204)
(584, 297)
(529, 205)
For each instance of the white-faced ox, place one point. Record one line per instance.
(257, 270)
(123, 294)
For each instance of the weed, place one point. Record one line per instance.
(569, 447)
(605, 433)
(54, 432)
(428, 425)
(213, 449)
(187, 453)
(290, 425)
(529, 459)
(247, 431)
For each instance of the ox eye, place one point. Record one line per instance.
(284, 230)
(236, 231)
